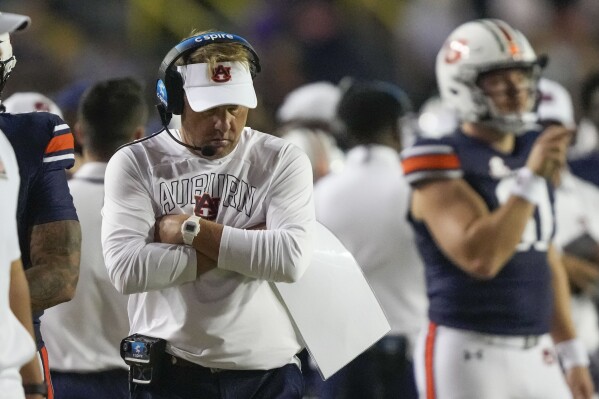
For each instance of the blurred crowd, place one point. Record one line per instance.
(352, 83)
(300, 42)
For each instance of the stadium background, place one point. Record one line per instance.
(74, 43)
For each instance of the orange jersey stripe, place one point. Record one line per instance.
(46, 371)
(430, 161)
(60, 143)
(428, 361)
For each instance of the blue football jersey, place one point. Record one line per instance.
(44, 147)
(586, 167)
(519, 299)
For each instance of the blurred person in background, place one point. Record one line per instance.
(20, 368)
(49, 231)
(20, 371)
(436, 119)
(307, 119)
(365, 206)
(30, 101)
(584, 156)
(577, 227)
(83, 336)
(481, 209)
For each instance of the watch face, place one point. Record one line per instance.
(190, 227)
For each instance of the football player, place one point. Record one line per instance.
(482, 210)
(48, 228)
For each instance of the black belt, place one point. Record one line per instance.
(175, 361)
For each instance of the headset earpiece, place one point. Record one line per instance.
(174, 88)
(169, 87)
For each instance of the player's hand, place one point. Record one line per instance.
(548, 154)
(580, 382)
(168, 229)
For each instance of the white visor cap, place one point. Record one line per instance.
(13, 22)
(230, 83)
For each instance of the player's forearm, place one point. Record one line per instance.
(562, 327)
(21, 308)
(478, 241)
(492, 240)
(55, 249)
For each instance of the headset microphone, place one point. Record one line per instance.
(208, 151)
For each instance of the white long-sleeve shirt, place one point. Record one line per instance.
(230, 317)
(366, 206)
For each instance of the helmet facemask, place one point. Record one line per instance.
(7, 59)
(508, 122)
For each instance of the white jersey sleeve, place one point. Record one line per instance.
(135, 262)
(282, 252)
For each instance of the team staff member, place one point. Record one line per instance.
(369, 189)
(49, 232)
(18, 365)
(207, 291)
(83, 336)
(482, 213)
(18, 349)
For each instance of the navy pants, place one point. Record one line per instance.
(113, 384)
(384, 371)
(185, 382)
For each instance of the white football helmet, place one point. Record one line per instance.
(477, 47)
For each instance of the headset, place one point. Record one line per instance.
(169, 87)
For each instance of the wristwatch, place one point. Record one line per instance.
(190, 229)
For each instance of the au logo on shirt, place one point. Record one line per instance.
(206, 207)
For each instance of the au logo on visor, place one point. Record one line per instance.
(221, 74)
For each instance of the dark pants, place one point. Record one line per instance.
(113, 384)
(384, 371)
(185, 381)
